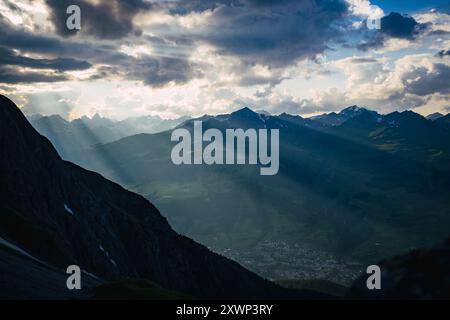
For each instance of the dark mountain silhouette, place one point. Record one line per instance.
(404, 134)
(336, 119)
(352, 193)
(26, 277)
(421, 274)
(444, 121)
(61, 214)
(434, 116)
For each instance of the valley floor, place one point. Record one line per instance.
(278, 260)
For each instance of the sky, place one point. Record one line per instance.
(175, 58)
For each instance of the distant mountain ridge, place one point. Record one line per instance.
(336, 119)
(81, 133)
(434, 116)
(353, 192)
(63, 215)
(444, 121)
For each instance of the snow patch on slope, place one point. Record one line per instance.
(107, 255)
(67, 208)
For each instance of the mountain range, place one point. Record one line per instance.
(81, 133)
(54, 213)
(386, 177)
(353, 187)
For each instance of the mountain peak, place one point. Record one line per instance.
(407, 117)
(353, 109)
(55, 117)
(285, 115)
(411, 114)
(244, 110)
(7, 105)
(434, 116)
(96, 116)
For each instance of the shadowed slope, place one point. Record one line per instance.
(65, 215)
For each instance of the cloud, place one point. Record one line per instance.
(277, 102)
(363, 8)
(160, 71)
(110, 19)
(13, 75)
(79, 54)
(393, 26)
(362, 60)
(183, 8)
(415, 81)
(13, 7)
(9, 57)
(209, 56)
(426, 80)
(438, 21)
(12, 37)
(443, 53)
(410, 83)
(400, 26)
(49, 103)
(274, 33)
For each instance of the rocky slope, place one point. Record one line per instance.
(420, 274)
(63, 214)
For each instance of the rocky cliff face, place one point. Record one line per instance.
(64, 215)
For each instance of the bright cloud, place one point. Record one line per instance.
(194, 57)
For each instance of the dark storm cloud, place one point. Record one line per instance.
(110, 19)
(443, 53)
(12, 76)
(252, 80)
(155, 72)
(183, 7)
(400, 26)
(8, 57)
(158, 72)
(15, 38)
(363, 60)
(78, 54)
(422, 82)
(394, 25)
(275, 33)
